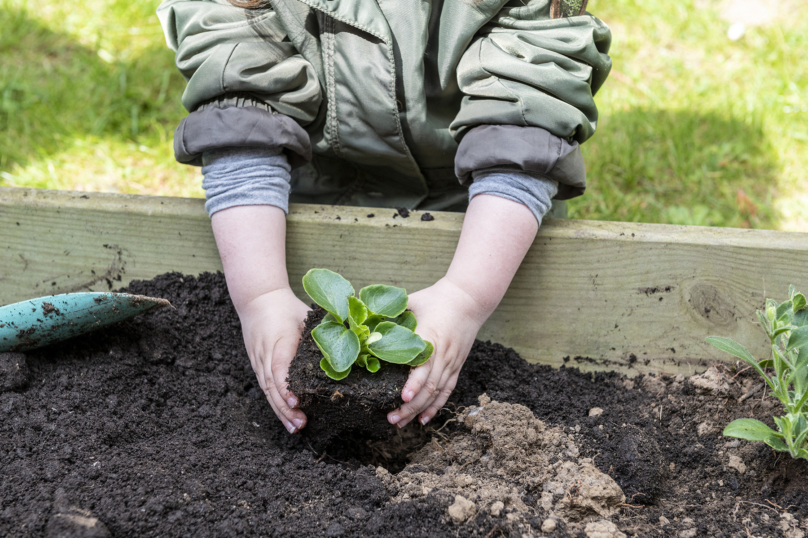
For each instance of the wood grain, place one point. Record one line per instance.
(618, 296)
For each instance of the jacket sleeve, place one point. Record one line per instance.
(247, 85)
(528, 81)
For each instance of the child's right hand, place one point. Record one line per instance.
(272, 325)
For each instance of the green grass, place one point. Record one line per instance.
(89, 99)
(697, 129)
(694, 129)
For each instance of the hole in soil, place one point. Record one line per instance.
(392, 454)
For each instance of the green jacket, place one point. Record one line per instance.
(390, 102)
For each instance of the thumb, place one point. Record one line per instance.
(282, 355)
(420, 374)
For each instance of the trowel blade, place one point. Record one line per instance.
(42, 321)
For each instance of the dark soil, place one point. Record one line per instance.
(356, 405)
(156, 427)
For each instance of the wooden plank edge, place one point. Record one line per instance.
(448, 221)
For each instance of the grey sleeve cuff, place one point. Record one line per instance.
(245, 176)
(527, 188)
(238, 121)
(529, 149)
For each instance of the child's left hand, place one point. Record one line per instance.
(449, 318)
(496, 235)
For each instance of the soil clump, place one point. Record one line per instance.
(157, 427)
(357, 405)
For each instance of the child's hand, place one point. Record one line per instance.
(496, 235)
(449, 318)
(272, 325)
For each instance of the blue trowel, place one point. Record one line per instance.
(39, 322)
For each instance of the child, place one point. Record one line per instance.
(425, 104)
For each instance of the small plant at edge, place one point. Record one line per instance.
(786, 325)
(361, 331)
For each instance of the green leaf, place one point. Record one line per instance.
(784, 329)
(801, 371)
(357, 311)
(783, 311)
(799, 302)
(372, 321)
(801, 403)
(800, 427)
(732, 347)
(407, 320)
(397, 345)
(766, 363)
(800, 379)
(340, 346)
(791, 291)
(802, 453)
(800, 318)
(798, 338)
(749, 429)
(373, 337)
(423, 356)
(362, 332)
(764, 323)
(802, 358)
(387, 301)
(784, 424)
(329, 290)
(368, 361)
(800, 440)
(736, 349)
(330, 372)
(776, 443)
(778, 355)
(329, 317)
(357, 314)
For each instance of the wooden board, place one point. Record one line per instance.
(629, 297)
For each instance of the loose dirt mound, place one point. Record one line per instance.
(504, 461)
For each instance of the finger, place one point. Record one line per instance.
(435, 407)
(282, 355)
(416, 380)
(259, 373)
(425, 396)
(268, 386)
(293, 419)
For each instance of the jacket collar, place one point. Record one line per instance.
(365, 15)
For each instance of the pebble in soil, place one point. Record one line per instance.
(157, 427)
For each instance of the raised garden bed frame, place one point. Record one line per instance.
(617, 296)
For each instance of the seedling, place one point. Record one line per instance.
(786, 325)
(364, 330)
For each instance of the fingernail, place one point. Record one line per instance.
(292, 402)
(298, 423)
(393, 418)
(408, 395)
(402, 423)
(290, 427)
(424, 420)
